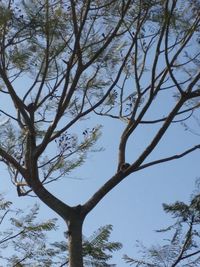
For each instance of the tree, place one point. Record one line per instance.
(63, 61)
(182, 249)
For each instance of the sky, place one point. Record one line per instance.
(134, 207)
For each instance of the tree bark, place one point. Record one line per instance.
(75, 224)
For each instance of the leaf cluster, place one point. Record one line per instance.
(181, 248)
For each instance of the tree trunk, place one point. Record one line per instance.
(75, 241)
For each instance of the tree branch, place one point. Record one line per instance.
(12, 161)
(178, 156)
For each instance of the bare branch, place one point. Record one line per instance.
(178, 156)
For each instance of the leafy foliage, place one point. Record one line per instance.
(23, 240)
(97, 247)
(183, 247)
